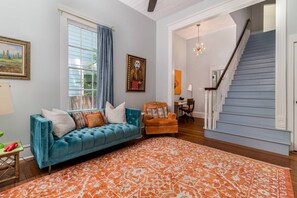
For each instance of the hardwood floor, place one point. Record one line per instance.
(191, 131)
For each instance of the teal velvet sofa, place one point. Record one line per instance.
(49, 150)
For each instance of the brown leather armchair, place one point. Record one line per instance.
(157, 119)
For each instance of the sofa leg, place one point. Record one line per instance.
(49, 170)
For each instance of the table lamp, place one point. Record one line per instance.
(190, 89)
(6, 106)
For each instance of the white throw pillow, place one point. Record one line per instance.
(115, 115)
(62, 121)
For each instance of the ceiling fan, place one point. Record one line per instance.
(151, 5)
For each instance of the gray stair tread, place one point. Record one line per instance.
(264, 99)
(255, 126)
(248, 106)
(247, 114)
(260, 65)
(249, 67)
(225, 132)
(255, 73)
(259, 84)
(257, 57)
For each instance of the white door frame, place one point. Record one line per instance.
(292, 89)
(229, 6)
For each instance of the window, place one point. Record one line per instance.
(82, 66)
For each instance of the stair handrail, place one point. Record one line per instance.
(215, 96)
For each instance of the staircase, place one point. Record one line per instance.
(248, 115)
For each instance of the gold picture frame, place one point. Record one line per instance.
(136, 71)
(14, 59)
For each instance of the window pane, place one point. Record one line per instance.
(73, 35)
(75, 79)
(88, 79)
(82, 63)
(74, 57)
(88, 59)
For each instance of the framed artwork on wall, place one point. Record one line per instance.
(177, 82)
(136, 68)
(14, 59)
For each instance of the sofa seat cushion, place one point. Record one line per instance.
(88, 138)
(160, 122)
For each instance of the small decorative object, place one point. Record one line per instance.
(199, 46)
(177, 82)
(10, 147)
(14, 59)
(136, 67)
(190, 89)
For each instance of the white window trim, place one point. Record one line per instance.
(64, 73)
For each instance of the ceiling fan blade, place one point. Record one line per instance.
(152, 5)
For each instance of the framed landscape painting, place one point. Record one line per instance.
(135, 73)
(14, 59)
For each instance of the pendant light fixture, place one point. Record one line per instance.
(199, 46)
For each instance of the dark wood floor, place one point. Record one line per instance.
(191, 131)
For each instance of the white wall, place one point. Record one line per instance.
(219, 48)
(240, 17)
(269, 20)
(258, 15)
(180, 62)
(291, 17)
(38, 22)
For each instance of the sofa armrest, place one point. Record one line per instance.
(133, 116)
(41, 138)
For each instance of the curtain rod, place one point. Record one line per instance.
(84, 18)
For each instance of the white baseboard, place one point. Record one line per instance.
(26, 153)
(197, 114)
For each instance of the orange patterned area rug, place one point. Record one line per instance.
(163, 167)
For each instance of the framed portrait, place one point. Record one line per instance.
(14, 59)
(136, 67)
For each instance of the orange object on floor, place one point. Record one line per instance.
(163, 167)
(157, 119)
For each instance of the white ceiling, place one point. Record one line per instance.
(207, 27)
(163, 7)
